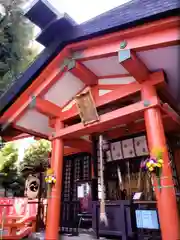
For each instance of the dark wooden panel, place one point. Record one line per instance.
(119, 219)
(76, 167)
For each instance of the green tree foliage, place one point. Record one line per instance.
(36, 156)
(16, 32)
(10, 177)
(8, 158)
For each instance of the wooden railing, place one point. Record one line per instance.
(18, 228)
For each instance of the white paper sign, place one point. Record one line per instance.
(80, 191)
(128, 148)
(108, 156)
(137, 196)
(141, 146)
(116, 151)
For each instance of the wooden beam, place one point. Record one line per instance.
(31, 132)
(108, 120)
(141, 42)
(160, 33)
(47, 108)
(115, 76)
(71, 151)
(143, 33)
(80, 144)
(10, 133)
(166, 96)
(134, 66)
(171, 113)
(110, 86)
(45, 80)
(83, 73)
(139, 126)
(21, 136)
(132, 128)
(157, 79)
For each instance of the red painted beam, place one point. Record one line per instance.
(166, 96)
(171, 113)
(29, 131)
(159, 33)
(21, 136)
(80, 144)
(71, 151)
(156, 79)
(110, 86)
(133, 65)
(137, 127)
(115, 76)
(83, 73)
(107, 46)
(132, 128)
(108, 120)
(44, 81)
(47, 108)
(85, 146)
(139, 36)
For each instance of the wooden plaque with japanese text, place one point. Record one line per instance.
(86, 107)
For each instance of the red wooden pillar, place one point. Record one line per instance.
(166, 199)
(54, 202)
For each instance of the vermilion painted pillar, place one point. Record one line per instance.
(167, 206)
(54, 202)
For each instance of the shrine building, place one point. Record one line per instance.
(106, 93)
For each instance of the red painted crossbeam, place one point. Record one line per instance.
(108, 120)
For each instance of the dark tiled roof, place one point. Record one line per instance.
(128, 15)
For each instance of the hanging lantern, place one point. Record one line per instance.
(32, 186)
